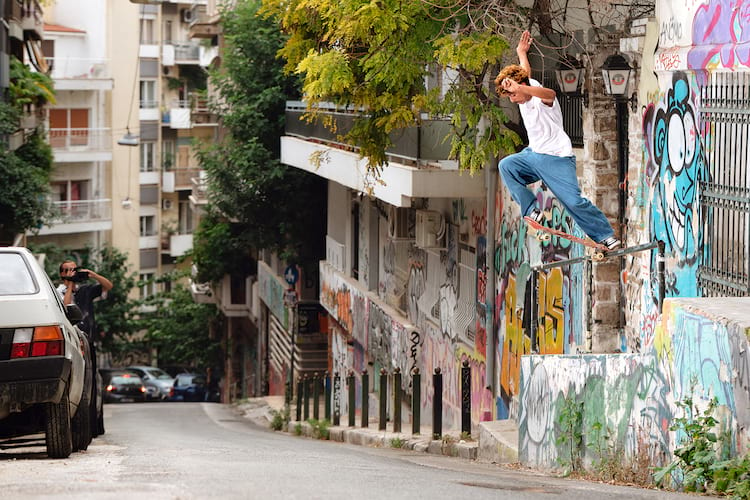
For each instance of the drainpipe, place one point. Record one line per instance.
(489, 299)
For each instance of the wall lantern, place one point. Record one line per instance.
(569, 73)
(616, 74)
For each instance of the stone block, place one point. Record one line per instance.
(607, 272)
(606, 313)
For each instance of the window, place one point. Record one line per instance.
(147, 225)
(147, 31)
(68, 127)
(148, 155)
(185, 225)
(69, 190)
(147, 284)
(167, 154)
(148, 94)
(167, 35)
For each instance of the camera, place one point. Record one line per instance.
(79, 276)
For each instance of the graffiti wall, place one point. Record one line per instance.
(559, 324)
(437, 323)
(631, 399)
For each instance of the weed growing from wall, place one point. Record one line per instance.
(570, 437)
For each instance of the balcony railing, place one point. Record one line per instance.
(183, 177)
(426, 142)
(199, 194)
(186, 51)
(32, 21)
(79, 68)
(81, 139)
(67, 212)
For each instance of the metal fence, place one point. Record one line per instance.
(725, 194)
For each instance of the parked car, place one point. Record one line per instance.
(45, 372)
(158, 382)
(188, 387)
(123, 386)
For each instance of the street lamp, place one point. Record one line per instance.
(128, 139)
(616, 73)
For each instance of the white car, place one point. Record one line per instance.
(45, 375)
(158, 382)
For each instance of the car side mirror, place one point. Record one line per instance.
(73, 312)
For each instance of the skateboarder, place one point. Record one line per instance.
(549, 156)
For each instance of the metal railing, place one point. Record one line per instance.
(67, 212)
(185, 51)
(80, 139)
(78, 68)
(426, 142)
(725, 187)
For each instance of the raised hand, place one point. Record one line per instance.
(524, 44)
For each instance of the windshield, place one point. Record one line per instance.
(159, 374)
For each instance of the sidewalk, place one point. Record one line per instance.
(497, 441)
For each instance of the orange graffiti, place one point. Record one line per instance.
(515, 343)
(551, 312)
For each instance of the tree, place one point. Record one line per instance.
(375, 56)
(254, 200)
(25, 171)
(179, 329)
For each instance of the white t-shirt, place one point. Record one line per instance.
(544, 126)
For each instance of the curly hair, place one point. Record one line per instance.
(514, 72)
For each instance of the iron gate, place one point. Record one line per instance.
(725, 194)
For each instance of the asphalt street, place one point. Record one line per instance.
(204, 450)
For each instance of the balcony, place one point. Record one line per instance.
(81, 144)
(183, 178)
(32, 22)
(148, 110)
(79, 216)
(201, 112)
(174, 52)
(176, 245)
(201, 292)
(418, 164)
(78, 73)
(203, 24)
(12, 15)
(199, 195)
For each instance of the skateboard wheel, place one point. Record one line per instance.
(598, 256)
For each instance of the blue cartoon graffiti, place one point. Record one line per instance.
(680, 166)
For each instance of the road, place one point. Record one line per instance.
(197, 451)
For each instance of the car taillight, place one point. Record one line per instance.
(110, 388)
(143, 389)
(38, 341)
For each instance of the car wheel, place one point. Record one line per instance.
(100, 424)
(82, 424)
(58, 436)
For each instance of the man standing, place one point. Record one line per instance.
(549, 156)
(74, 289)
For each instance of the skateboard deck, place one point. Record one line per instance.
(544, 233)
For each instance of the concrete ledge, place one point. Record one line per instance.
(498, 442)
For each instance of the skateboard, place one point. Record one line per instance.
(544, 233)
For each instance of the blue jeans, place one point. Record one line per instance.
(559, 174)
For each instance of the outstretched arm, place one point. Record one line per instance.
(522, 50)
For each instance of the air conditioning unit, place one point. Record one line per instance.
(399, 225)
(430, 229)
(186, 15)
(166, 204)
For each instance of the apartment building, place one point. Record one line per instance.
(174, 117)
(91, 60)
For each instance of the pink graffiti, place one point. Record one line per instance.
(721, 29)
(670, 58)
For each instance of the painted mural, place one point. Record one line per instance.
(426, 335)
(634, 396)
(559, 323)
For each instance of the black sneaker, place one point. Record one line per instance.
(611, 243)
(537, 216)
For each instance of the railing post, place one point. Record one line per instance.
(306, 397)
(383, 399)
(466, 397)
(327, 405)
(299, 399)
(437, 405)
(365, 398)
(316, 396)
(397, 400)
(336, 399)
(416, 401)
(352, 398)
